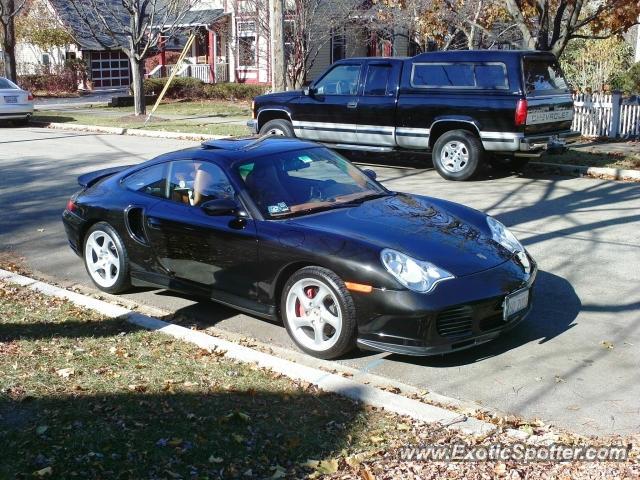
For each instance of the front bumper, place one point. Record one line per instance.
(458, 314)
(252, 125)
(536, 143)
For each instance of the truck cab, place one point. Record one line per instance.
(466, 107)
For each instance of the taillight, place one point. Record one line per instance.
(71, 205)
(30, 96)
(521, 112)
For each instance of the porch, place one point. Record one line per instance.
(210, 55)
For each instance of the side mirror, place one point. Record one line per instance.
(222, 207)
(370, 173)
(309, 91)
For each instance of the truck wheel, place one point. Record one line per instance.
(457, 155)
(278, 127)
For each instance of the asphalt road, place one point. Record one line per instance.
(584, 233)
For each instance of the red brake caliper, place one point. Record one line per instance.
(310, 292)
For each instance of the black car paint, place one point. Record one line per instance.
(483, 111)
(245, 264)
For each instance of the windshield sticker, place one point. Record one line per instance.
(305, 159)
(279, 208)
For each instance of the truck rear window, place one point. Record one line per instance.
(460, 75)
(542, 75)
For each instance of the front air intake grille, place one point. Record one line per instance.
(455, 322)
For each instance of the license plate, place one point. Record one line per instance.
(10, 99)
(515, 302)
(535, 117)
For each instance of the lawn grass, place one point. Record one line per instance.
(90, 397)
(182, 117)
(574, 156)
(86, 397)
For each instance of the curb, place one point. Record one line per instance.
(327, 382)
(580, 170)
(136, 132)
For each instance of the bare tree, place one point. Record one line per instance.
(311, 25)
(9, 9)
(133, 26)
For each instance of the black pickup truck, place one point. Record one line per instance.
(465, 107)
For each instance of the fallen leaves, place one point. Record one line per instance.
(65, 372)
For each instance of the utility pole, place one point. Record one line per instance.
(276, 24)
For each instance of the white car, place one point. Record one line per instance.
(15, 103)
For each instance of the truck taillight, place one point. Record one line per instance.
(71, 205)
(521, 112)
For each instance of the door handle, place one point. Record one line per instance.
(352, 104)
(154, 223)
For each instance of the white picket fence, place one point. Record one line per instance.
(606, 115)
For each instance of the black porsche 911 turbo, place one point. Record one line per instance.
(287, 229)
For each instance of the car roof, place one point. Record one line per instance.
(228, 150)
(475, 55)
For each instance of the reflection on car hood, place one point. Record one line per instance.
(421, 227)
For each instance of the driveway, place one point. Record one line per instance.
(574, 362)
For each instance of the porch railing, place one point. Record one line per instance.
(201, 72)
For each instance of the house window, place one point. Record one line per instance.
(46, 60)
(70, 55)
(246, 44)
(338, 45)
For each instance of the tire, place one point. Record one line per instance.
(457, 155)
(106, 259)
(279, 127)
(23, 122)
(334, 317)
(508, 164)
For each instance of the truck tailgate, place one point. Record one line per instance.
(548, 114)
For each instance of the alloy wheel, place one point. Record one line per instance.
(314, 314)
(454, 156)
(102, 259)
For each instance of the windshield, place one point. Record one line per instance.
(303, 181)
(7, 84)
(542, 75)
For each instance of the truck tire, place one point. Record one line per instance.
(457, 155)
(278, 127)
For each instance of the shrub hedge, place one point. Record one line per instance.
(194, 89)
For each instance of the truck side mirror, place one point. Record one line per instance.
(309, 91)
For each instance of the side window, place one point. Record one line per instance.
(491, 76)
(377, 81)
(210, 183)
(443, 75)
(151, 180)
(488, 76)
(194, 182)
(341, 80)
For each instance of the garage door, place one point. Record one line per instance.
(109, 69)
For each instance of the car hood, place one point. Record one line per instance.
(278, 96)
(449, 235)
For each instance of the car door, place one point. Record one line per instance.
(377, 103)
(219, 253)
(329, 112)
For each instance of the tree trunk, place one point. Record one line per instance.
(137, 73)
(277, 46)
(9, 44)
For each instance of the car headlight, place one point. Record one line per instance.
(416, 275)
(508, 240)
(503, 236)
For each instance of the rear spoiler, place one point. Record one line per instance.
(92, 178)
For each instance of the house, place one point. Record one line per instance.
(232, 43)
